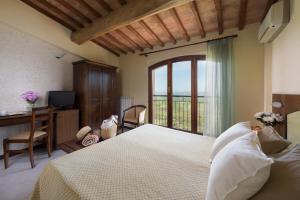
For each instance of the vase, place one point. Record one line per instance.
(30, 106)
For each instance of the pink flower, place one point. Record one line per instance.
(30, 96)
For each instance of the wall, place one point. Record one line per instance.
(28, 63)
(21, 16)
(285, 56)
(249, 61)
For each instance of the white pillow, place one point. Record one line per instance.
(229, 135)
(239, 170)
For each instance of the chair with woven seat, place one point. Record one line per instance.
(41, 125)
(133, 116)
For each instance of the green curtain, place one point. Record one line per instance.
(219, 94)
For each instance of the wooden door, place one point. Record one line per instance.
(95, 97)
(108, 90)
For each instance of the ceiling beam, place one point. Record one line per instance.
(111, 44)
(122, 2)
(50, 15)
(218, 5)
(61, 13)
(196, 12)
(89, 8)
(104, 5)
(75, 11)
(165, 28)
(151, 32)
(128, 39)
(180, 24)
(106, 47)
(133, 11)
(267, 8)
(118, 42)
(137, 34)
(243, 13)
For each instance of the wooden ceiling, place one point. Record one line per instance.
(194, 18)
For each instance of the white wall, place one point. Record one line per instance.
(249, 61)
(21, 16)
(28, 63)
(285, 56)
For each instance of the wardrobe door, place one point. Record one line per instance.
(95, 97)
(108, 90)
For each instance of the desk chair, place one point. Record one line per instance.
(39, 116)
(133, 116)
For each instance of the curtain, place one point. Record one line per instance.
(219, 89)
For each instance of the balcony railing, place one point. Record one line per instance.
(181, 112)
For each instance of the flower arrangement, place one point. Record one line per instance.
(31, 97)
(269, 118)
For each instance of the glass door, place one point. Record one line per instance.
(159, 95)
(176, 93)
(181, 95)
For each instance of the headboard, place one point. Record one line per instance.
(289, 104)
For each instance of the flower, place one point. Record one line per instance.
(258, 115)
(30, 96)
(268, 118)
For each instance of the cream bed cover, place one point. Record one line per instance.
(149, 162)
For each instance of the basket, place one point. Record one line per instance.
(109, 132)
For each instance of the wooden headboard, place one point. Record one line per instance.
(290, 104)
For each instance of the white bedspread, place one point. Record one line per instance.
(149, 162)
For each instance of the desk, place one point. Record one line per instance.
(15, 119)
(64, 128)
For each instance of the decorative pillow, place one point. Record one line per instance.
(229, 135)
(239, 170)
(83, 132)
(271, 142)
(284, 179)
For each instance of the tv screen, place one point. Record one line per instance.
(61, 99)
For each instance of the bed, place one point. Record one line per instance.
(149, 162)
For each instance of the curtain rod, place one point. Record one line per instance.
(151, 52)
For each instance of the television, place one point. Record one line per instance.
(61, 99)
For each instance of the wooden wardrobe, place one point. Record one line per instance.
(95, 87)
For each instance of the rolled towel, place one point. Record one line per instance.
(89, 140)
(83, 132)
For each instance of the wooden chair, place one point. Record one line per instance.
(134, 116)
(41, 125)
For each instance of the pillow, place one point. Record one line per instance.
(271, 142)
(239, 170)
(229, 135)
(284, 179)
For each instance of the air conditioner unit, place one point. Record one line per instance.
(275, 21)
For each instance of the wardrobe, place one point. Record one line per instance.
(96, 92)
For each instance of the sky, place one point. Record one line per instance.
(181, 78)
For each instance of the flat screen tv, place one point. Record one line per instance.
(61, 99)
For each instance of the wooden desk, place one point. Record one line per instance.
(65, 123)
(11, 120)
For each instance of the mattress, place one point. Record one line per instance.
(149, 162)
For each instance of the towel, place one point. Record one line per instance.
(89, 140)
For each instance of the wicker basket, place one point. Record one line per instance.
(109, 132)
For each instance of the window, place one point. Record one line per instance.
(176, 93)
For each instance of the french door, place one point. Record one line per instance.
(176, 89)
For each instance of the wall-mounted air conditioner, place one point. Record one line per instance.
(275, 21)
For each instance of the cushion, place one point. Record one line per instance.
(271, 142)
(284, 179)
(83, 132)
(229, 135)
(239, 170)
